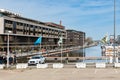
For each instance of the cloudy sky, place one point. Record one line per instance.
(95, 17)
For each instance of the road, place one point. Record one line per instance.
(61, 74)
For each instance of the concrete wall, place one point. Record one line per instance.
(1, 25)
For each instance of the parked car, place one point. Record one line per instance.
(39, 59)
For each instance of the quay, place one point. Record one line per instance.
(76, 58)
(51, 52)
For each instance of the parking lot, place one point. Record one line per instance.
(61, 74)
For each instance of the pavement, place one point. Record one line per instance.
(61, 74)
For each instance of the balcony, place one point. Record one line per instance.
(39, 30)
(19, 27)
(8, 25)
(19, 32)
(50, 31)
(31, 29)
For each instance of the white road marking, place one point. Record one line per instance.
(95, 71)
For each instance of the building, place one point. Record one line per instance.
(25, 31)
(118, 39)
(75, 38)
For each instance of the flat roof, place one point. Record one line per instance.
(15, 15)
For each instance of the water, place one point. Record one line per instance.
(88, 52)
(94, 52)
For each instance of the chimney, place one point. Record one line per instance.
(60, 22)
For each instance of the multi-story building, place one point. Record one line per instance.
(75, 38)
(25, 31)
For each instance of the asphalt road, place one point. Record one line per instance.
(61, 74)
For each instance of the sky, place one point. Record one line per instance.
(94, 17)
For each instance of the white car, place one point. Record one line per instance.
(36, 60)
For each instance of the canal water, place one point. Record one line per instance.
(94, 52)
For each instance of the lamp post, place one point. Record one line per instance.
(114, 30)
(61, 47)
(60, 43)
(8, 52)
(83, 47)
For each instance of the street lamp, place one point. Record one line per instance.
(8, 52)
(83, 47)
(114, 30)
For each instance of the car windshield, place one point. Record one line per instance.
(36, 57)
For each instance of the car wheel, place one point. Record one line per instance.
(43, 62)
(36, 64)
(28, 64)
(39, 62)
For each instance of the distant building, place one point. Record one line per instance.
(25, 31)
(75, 38)
(111, 39)
(118, 39)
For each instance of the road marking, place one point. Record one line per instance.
(95, 71)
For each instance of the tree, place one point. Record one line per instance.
(89, 40)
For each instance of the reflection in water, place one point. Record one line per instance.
(88, 52)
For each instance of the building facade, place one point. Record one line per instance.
(75, 38)
(25, 31)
